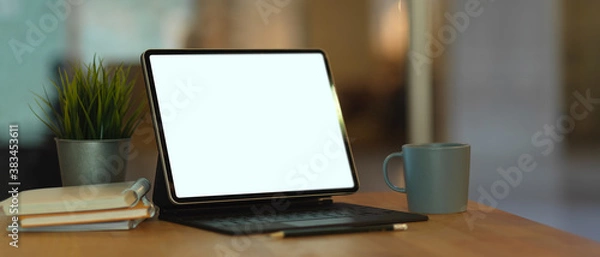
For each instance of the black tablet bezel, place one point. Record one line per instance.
(163, 151)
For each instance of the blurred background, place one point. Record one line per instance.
(515, 79)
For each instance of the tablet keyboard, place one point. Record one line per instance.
(327, 215)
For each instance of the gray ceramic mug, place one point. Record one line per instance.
(436, 176)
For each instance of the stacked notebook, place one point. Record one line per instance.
(115, 206)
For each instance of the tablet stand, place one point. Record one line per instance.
(160, 196)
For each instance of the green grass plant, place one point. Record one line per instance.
(94, 102)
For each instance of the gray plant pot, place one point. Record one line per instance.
(84, 162)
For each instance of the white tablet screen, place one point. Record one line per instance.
(247, 123)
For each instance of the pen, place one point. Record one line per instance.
(337, 230)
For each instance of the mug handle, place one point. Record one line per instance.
(385, 172)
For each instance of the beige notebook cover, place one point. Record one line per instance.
(143, 209)
(79, 198)
(100, 226)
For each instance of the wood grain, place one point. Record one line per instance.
(481, 231)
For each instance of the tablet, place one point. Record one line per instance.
(238, 125)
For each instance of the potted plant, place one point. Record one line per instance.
(93, 122)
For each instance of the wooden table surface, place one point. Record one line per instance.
(480, 231)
